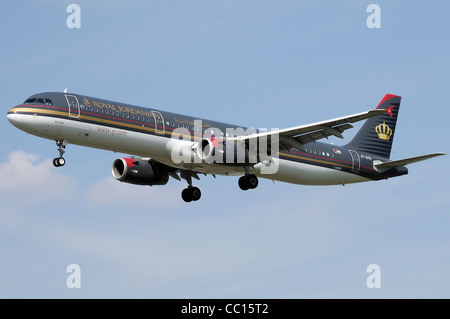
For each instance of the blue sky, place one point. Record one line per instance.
(253, 63)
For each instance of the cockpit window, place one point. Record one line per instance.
(39, 100)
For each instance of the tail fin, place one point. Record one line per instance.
(377, 133)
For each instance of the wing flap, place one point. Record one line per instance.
(323, 132)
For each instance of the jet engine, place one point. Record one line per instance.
(140, 172)
(205, 150)
(224, 152)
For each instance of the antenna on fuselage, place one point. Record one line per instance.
(65, 90)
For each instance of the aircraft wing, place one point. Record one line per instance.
(299, 135)
(382, 166)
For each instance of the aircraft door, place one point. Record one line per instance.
(74, 106)
(159, 122)
(356, 163)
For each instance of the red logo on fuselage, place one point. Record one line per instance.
(215, 141)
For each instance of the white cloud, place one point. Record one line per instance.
(26, 180)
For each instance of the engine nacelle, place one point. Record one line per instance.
(205, 150)
(133, 171)
(213, 151)
(223, 152)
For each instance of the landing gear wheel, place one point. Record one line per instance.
(59, 161)
(195, 193)
(252, 181)
(243, 183)
(185, 194)
(191, 194)
(248, 182)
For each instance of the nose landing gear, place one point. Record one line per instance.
(60, 161)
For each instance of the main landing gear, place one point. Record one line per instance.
(60, 161)
(191, 193)
(248, 181)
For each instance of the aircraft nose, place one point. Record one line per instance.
(14, 117)
(20, 118)
(10, 114)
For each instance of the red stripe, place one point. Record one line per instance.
(386, 97)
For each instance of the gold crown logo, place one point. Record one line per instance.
(86, 102)
(384, 132)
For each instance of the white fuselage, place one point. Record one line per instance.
(154, 146)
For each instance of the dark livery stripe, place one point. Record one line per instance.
(87, 117)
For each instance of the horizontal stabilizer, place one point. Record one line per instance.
(382, 166)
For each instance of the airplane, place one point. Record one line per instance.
(165, 144)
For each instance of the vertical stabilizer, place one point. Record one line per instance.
(377, 133)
